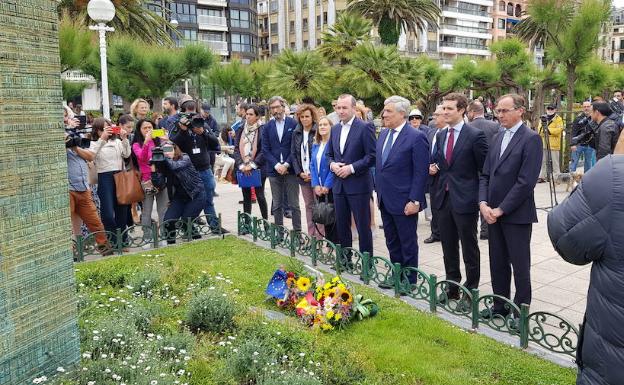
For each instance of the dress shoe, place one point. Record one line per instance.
(432, 239)
(541, 180)
(385, 285)
(447, 296)
(288, 214)
(486, 314)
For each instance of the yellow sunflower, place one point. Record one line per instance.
(290, 282)
(303, 284)
(346, 298)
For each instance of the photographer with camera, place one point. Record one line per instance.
(143, 143)
(198, 143)
(582, 141)
(607, 131)
(553, 124)
(188, 195)
(111, 146)
(81, 204)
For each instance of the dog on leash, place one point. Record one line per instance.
(570, 179)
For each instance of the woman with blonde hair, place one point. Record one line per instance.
(139, 109)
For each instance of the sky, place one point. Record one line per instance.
(618, 3)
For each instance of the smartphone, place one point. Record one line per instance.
(158, 133)
(116, 130)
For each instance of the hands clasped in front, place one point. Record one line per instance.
(491, 215)
(341, 170)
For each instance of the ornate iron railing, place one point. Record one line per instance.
(547, 330)
(136, 236)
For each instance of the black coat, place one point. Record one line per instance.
(587, 227)
(607, 135)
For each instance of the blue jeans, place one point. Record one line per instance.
(114, 216)
(589, 157)
(182, 209)
(209, 185)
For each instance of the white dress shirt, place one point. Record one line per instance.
(509, 133)
(305, 153)
(319, 157)
(344, 133)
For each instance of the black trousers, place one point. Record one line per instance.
(259, 198)
(456, 228)
(435, 230)
(510, 246)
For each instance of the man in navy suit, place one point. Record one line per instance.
(458, 159)
(276, 138)
(506, 201)
(437, 123)
(401, 174)
(351, 153)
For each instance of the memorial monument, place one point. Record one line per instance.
(38, 321)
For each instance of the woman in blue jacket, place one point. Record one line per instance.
(322, 177)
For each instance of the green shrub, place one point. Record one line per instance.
(145, 282)
(115, 275)
(210, 311)
(172, 346)
(290, 378)
(250, 359)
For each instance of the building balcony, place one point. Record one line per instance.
(77, 76)
(218, 47)
(461, 28)
(213, 3)
(464, 13)
(464, 48)
(212, 23)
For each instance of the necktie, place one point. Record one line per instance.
(386, 150)
(505, 142)
(449, 145)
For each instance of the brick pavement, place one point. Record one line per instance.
(558, 286)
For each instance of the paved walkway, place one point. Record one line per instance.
(558, 286)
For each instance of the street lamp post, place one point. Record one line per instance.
(102, 12)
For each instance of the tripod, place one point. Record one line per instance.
(549, 168)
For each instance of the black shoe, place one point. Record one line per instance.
(487, 314)
(432, 239)
(215, 194)
(447, 296)
(483, 237)
(217, 231)
(385, 285)
(288, 214)
(241, 202)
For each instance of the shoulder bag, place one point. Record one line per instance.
(128, 185)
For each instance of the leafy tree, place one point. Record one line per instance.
(197, 58)
(260, 70)
(301, 74)
(75, 44)
(390, 16)
(374, 73)
(73, 90)
(232, 79)
(131, 17)
(342, 37)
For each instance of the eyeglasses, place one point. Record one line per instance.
(504, 110)
(414, 117)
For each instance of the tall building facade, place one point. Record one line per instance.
(506, 15)
(229, 28)
(612, 38)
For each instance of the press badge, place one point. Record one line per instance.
(196, 150)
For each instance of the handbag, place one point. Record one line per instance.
(253, 180)
(323, 213)
(128, 186)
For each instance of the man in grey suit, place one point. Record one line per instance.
(476, 116)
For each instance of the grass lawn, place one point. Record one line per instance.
(400, 345)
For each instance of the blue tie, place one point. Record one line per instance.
(386, 150)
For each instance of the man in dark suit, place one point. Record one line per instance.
(476, 117)
(276, 138)
(437, 123)
(401, 174)
(351, 153)
(460, 152)
(507, 203)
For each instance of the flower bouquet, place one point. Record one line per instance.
(320, 304)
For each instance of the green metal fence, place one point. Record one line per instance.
(139, 235)
(548, 330)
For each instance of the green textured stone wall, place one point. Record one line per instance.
(38, 327)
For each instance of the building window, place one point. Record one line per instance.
(291, 4)
(621, 43)
(273, 5)
(305, 24)
(501, 23)
(209, 12)
(318, 42)
(318, 21)
(305, 4)
(510, 9)
(188, 35)
(502, 6)
(292, 45)
(242, 42)
(306, 45)
(211, 36)
(325, 16)
(621, 57)
(184, 13)
(274, 48)
(518, 11)
(239, 19)
(273, 27)
(612, 44)
(292, 27)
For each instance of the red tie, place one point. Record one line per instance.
(449, 145)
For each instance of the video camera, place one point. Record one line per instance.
(158, 153)
(191, 120)
(74, 138)
(587, 134)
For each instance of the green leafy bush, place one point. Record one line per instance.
(290, 378)
(210, 311)
(145, 282)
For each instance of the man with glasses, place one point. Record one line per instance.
(437, 123)
(507, 203)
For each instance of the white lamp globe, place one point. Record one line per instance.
(101, 11)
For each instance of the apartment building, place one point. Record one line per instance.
(229, 28)
(612, 39)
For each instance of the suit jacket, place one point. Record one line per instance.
(272, 147)
(432, 180)
(359, 151)
(488, 127)
(508, 181)
(403, 177)
(323, 176)
(462, 174)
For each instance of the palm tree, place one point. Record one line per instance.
(302, 74)
(131, 17)
(569, 32)
(342, 37)
(390, 16)
(374, 73)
